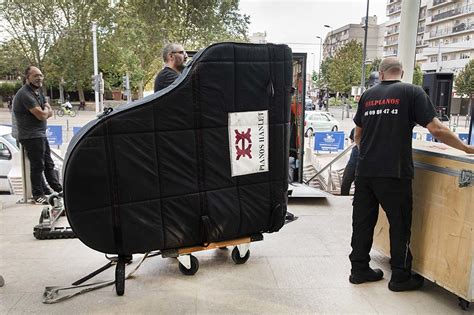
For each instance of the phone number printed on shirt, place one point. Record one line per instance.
(381, 111)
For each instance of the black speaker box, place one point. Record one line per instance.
(439, 87)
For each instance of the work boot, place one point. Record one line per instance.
(368, 275)
(414, 283)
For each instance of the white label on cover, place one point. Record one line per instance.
(248, 142)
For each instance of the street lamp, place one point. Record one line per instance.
(320, 56)
(364, 53)
(330, 43)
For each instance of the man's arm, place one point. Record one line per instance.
(443, 134)
(42, 114)
(358, 135)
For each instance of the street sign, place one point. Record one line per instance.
(464, 137)
(329, 141)
(75, 130)
(54, 135)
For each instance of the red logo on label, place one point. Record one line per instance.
(243, 150)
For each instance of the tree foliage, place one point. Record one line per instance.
(346, 67)
(465, 80)
(417, 75)
(56, 35)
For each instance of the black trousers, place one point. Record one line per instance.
(347, 179)
(39, 154)
(395, 196)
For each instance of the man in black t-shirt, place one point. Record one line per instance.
(174, 57)
(30, 113)
(384, 121)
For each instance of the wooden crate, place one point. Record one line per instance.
(442, 241)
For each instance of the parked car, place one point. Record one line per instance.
(7, 148)
(308, 104)
(319, 121)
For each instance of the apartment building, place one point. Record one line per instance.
(258, 38)
(445, 38)
(340, 36)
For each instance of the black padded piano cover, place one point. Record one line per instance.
(158, 173)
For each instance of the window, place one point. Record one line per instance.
(455, 39)
(434, 59)
(465, 55)
(444, 58)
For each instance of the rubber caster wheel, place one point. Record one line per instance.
(236, 256)
(463, 304)
(120, 276)
(194, 267)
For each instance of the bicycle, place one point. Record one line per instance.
(66, 110)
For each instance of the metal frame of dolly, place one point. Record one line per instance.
(188, 265)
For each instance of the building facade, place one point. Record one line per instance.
(445, 39)
(340, 36)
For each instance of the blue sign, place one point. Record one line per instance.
(464, 137)
(429, 137)
(75, 130)
(54, 135)
(329, 141)
(414, 135)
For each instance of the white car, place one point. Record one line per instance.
(319, 121)
(8, 147)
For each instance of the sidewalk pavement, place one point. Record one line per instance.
(304, 268)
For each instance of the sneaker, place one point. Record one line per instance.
(414, 283)
(41, 200)
(48, 192)
(368, 275)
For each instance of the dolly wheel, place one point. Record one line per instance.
(463, 304)
(236, 256)
(194, 267)
(120, 276)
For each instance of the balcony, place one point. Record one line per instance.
(393, 1)
(391, 31)
(421, 29)
(458, 11)
(394, 10)
(456, 29)
(389, 53)
(437, 2)
(391, 43)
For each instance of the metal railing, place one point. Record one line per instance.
(436, 2)
(453, 12)
(329, 165)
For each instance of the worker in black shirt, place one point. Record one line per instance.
(174, 57)
(384, 122)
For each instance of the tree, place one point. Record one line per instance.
(69, 61)
(324, 78)
(417, 75)
(29, 28)
(374, 66)
(465, 83)
(346, 67)
(195, 24)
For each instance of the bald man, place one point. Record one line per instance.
(30, 112)
(384, 122)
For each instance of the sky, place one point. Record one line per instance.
(298, 22)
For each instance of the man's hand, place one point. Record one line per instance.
(445, 135)
(470, 149)
(49, 109)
